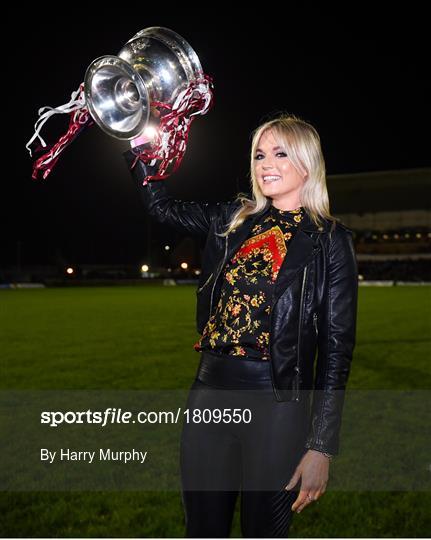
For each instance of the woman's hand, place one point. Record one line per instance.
(313, 469)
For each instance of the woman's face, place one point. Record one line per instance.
(277, 177)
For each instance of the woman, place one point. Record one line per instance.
(278, 284)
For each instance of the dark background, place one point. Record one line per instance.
(360, 79)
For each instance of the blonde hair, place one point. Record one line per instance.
(301, 142)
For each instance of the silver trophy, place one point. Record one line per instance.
(155, 66)
(151, 90)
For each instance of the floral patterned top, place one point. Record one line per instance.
(240, 324)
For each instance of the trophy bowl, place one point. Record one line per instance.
(123, 92)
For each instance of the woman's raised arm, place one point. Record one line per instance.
(190, 217)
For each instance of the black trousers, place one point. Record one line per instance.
(221, 460)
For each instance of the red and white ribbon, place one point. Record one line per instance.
(79, 118)
(170, 142)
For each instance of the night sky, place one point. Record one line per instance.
(362, 82)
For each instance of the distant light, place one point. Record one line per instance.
(184, 265)
(145, 268)
(396, 235)
(70, 270)
(418, 235)
(407, 235)
(167, 247)
(385, 236)
(360, 277)
(169, 269)
(197, 272)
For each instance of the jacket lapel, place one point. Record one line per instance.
(300, 251)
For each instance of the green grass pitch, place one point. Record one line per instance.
(142, 338)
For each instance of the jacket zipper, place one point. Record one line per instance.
(206, 282)
(296, 380)
(295, 385)
(217, 275)
(269, 344)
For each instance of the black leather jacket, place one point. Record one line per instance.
(314, 304)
